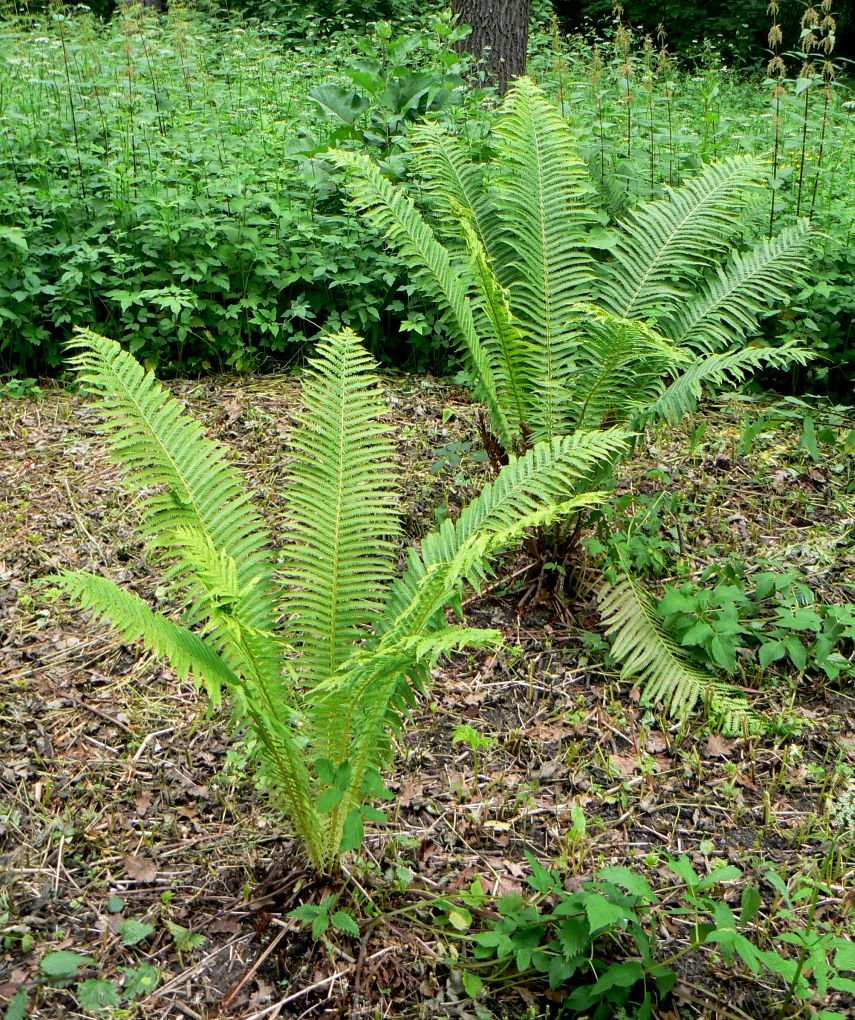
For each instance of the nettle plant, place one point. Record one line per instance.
(321, 655)
(568, 322)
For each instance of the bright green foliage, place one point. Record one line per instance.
(320, 697)
(343, 510)
(558, 337)
(575, 942)
(157, 180)
(642, 645)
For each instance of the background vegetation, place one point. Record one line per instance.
(159, 179)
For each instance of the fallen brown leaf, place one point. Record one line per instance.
(141, 869)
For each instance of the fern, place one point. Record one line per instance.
(393, 213)
(342, 508)
(618, 366)
(517, 265)
(510, 354)
(541, 192)
(551, 472)
(728, 305)
(560, 341)
(322, 696)
(187, 653)
(184, 483)
(717, 370)
(640, 643)
(453, 181)
(663, 246)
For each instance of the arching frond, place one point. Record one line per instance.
(511, 354)
(393, 213)
(713, 371)
(184, 481)
(550, 472)
(641, 645)
(728, 304)
(542, 194)
(662, 245)
(617, 367)
(187, 653)
(342, 507)
(448, 175)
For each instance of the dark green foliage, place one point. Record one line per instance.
(774, 615)
(157, 183)
(597, 948)
(737, 28)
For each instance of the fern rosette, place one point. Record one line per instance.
(320, 657)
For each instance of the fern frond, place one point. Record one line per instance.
(366, 695)
(549, 473)
(641, 645)
(510, 354)
(342, 507)
(185, 483)
(713, 371)
(542, 194)
(187, 653)
(448, 175)
(728, 305)
(160, 448)
(617, 367)
(393, 213)
(662, 245)
(192, 656)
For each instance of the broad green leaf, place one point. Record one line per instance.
(472, 984)
(634, 883)
(185, 939)
(141, 980)
(749, 904)
(64, 963)
(16, 1008)
(96, 995)
(602, 914)
(343, 922)
(341, 103)
(460, 918)
(132, 931)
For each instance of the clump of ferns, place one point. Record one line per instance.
(568, 321)
(322, 656)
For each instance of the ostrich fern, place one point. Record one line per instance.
(513, 255)
(320, 657)
(560, 337)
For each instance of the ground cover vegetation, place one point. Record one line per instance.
(526, 697)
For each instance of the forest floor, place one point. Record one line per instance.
(122, 798)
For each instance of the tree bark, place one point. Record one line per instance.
(499, 35)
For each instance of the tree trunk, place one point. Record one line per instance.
(499, 35)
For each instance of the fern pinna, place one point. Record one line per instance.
(570, 322)
(319, 657)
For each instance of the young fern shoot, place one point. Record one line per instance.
(319, 658)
